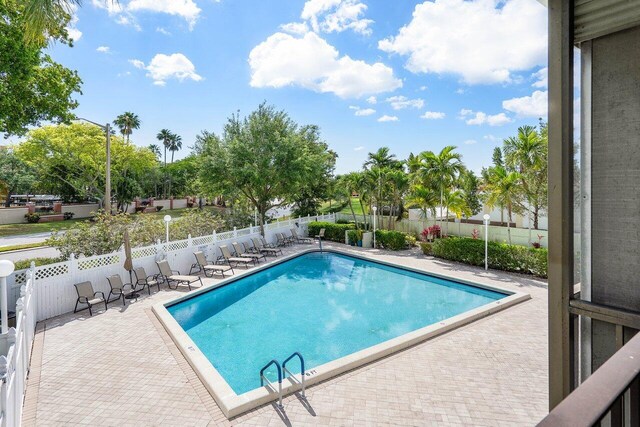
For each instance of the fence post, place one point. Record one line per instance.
(190, 240)
(235, 232)
(4, 368)
(73, 265)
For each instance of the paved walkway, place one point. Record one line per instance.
(120, 367)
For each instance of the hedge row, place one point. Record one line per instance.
(394, 240)
(501, 256)
(334, 232)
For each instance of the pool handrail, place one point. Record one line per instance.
(302, 372)
(263, 378)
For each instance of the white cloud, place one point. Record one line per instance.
(164, 31)
(460, 91)
(164, 67)
(386, 118)
(470, 142)
(490, 137)
(402, 102)
(128, 21)
(359, 148)
(72, 29)
(310, 62)
(528, 106)
(479, 118)
(365, 112)
(542, 78)
(336, 16)
(112, 7)
(103, 49)
(483, 41)
(372, 100)
(186, 9)
(423, 88)
(298, 28)
(432, 115)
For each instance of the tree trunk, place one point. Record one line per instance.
(353, 213)
(509, 224)
(536, 213)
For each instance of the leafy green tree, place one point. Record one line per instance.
(470, 184)
(425, 197)
(70, 160)
(184, 176)
(345, 186)
(398, 186)
(266, 157)
(15, 175)
(127, 122)
(33, 87)
(155, 150)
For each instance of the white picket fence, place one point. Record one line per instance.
(519, 236)
(54, 288)
(15, 354)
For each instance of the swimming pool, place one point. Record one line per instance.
(328, 306)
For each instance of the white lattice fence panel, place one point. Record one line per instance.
(143, 252)
(224, 236)
(99, 261)
(202, 240)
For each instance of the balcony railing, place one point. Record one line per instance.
(610, 396)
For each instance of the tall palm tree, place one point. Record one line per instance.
(442, 169)
(425, 197)
(503, 188)
(165, 136)
(127, 122)
(455, 202)
(526, 153)
(398, 185)
(346, 185)
(155, 149)
(175, 144)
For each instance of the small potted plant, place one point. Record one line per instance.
(353, 237)
(538, 244)
(359, 237)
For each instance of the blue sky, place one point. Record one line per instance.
(410, 75)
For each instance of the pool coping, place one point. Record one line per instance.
(233, 404)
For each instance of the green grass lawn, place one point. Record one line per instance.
(18, 247)
(44, 227)
(357, 207)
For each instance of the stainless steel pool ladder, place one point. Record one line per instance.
(302, 373)
(263, 379)
(282, 373)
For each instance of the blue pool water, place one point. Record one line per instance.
(324, 305)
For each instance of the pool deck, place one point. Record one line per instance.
(120, 367)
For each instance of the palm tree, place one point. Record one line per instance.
(127, 122)
(398, 185)
(526, 153)
(175, 144)
(503, 188)
(155, 149)
(346, 185)
(442, 169)
(456, 203)
(165, 136)
(43, 15)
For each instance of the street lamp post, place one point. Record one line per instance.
(167, 220)
(486, 218)
(107, 180)
(374, 225)
(6, 268)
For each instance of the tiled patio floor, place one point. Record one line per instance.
(121, 368)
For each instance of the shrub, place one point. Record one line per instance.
(26, 263)
(140, 209)
(353, 236)
(501, 256)
(32, 218)
(394, 240)
(159, 208)
(333, 232)
(342, 221)
(427, 248)
(68, 215)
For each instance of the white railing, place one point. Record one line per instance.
(15, 354)
(56, 294)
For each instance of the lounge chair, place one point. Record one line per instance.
(120, 290)
(282, 240)
(259, 246)
(86, 295)
(320, 235)
(145, 281)
(242, 252)
(299, 239)
(173, 276)
(230, 259)
(267, 244)
(204, 266)
(290, 239)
